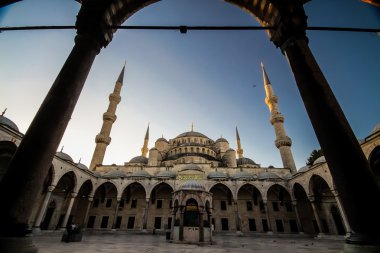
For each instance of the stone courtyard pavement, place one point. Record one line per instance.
(144, 243)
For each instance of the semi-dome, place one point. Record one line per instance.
(162, 139)
(192, 134)
(191, 166)
(166, 174)
(221, 140)
(192, 185)
(64, 156)
(7, 122)
(320, 159)
(217, 175)
(140, 174)
(242, 175)
(82, 166)
(376, 128)
(304, 168)
(268, 175)
(287, 176)
(245, 161)
(115, 174)
(139, 159)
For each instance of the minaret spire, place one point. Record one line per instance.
(103, 139)
(282, 142)
(239, 150)
(2, 114)
(144, 149)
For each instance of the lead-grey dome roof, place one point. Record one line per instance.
(376, 128)
(221, 140)
(242, 175)
(244, 161)
(191, 134)
(64, 156)
(217, 175)
(7, 122)
(304, 168)
(192, 185)
(268, 175)
(320, 159)
(115, 174)
(82, 166)
(166, 174)
(139, 159)
(162, 139)
(140, 174)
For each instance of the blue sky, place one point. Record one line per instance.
(210, 78)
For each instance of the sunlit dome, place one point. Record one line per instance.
(268, 175)
(7, 122)
(287, 176)
(166, 175)
(217, 175)
(140, 174)
(321, 159)
(304, 168)
(192, 185)
(82, 166)
(139, 159)
(221, 140)
(242, 175)
(64, 156)
(192, 134)
(245, 161)
(115, 174)
(162, 139)
(376, 128)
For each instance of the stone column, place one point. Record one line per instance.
(201, 231)
(145, 217)
(41, 214)
(210, 222)
(316, 215)
(172, 225)
(237, 217)
(347, 163)
(181, 220)
(342, 212)
(299, 224)
(85, 218)
(68, 211)
(268, 217)
(116, 214)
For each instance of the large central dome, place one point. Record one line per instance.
(192, 134)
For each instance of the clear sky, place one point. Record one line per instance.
(210, 78)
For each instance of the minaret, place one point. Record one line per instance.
(239, 150)
(103, 139)
(144, 149)
(282, 142)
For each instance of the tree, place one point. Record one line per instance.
(314, 155)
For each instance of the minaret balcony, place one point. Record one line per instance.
(277, 117)
(115, 98)
(286, 141)
(109, 117)
(103, 139)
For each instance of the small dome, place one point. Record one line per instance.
(230, 150)
(139, 159)
(376, 128)
(321, 159)
(166, 174)
(221, 140)
(191, 167)
(64, 156)
(304, 168)
(245, 161)
(162, 139)
(217, 175)
(361, 141)
(115, 174)
(81, 166)
(191, 134)
(243, 175)
(7, 122)
(192, 185)
(140, 174)
(287, 176)
(268, 175)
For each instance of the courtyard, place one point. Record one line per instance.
(142, 243)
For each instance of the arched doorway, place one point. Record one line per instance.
(191, 216)
(224, 213)
(134, 208)
(7, 150)
(280, 210)
(305, 211)
(250, 206)
(159, 213)
(81, 203)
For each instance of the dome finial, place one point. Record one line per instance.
(80, 159)
(192, 127)
(2, 114)
(62, 148)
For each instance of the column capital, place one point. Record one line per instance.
(51, 188)
(311, 198)
(90, 198)
(73, 194)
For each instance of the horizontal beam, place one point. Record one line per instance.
(184, 29)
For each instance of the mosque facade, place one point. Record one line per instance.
(190, 185)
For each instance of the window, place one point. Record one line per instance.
(293, 226)
(223, 205)
(279, 226)
(104, 223)
(275, 206)
(170, 204)
(252, 224)
(118, 222)
(157, 222)
(288, 206)
(224, 222)
(169, 222)
(265, 225)
(249, 206)
(131, 222)
(262, 207)
(134, 203)
(121, 203)
(159, 204)
(91, 222)
(109, 203)
(96, 203)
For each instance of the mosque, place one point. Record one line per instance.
(189, 185)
